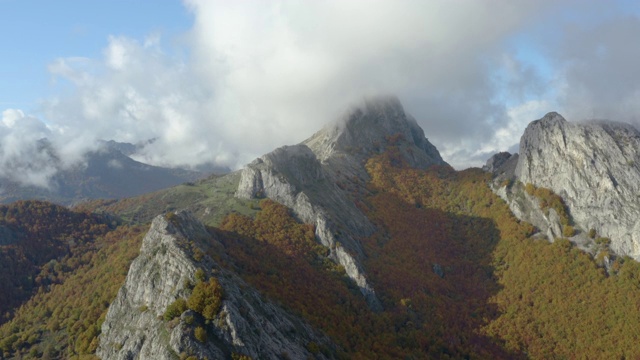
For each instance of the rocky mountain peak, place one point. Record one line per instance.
(496, 161)
(365, 128)
(550, 119)
(306, 177)
(593, 166)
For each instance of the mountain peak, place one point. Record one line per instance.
(593, 166)
(550, 119)
(379, 109)
(366, 127)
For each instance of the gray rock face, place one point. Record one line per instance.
(595, 168)
(246, 324)
(527, 208)
(293, 176)
(496, 161)
(305, 177)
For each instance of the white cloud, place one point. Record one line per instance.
(285, 68)
(600, 74)
(255, 75)
(22, 157)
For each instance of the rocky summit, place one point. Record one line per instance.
(593, 166)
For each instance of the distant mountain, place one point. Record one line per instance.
(108, 173)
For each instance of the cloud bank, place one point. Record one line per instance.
(254, 75)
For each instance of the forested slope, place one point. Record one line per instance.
(59, 274)
(457, 274)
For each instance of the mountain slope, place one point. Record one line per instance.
(33, 234)
(171, 260)
(456, 274)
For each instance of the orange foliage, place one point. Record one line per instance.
(41, 232)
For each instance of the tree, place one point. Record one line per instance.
(175, 309)
(206, 298)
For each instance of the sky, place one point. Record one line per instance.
(226, 81)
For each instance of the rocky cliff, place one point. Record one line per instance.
(171, 260)
(594, 167)
(307, 177)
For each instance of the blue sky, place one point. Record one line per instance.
(33, 33)
(225, 81)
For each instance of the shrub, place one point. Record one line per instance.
(200, 334)
(175, 309)
(568, 231)
(206, 298)
(200, 276)
(530, 189)
(236, 356)
(506, 183)
(313, 348)
(172, 218)
(592, 233)
(198, 255)
(602, 255)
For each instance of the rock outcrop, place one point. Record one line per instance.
(166, 268)
(502, 163)
(523, 205)
(306, 177)
(595, 168)
(527, 208)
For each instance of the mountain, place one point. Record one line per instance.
(106, 173)
(358, 243)
(311, 178)
(594, 167)
(318, 179)
(166, 270)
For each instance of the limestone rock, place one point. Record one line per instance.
(293, 176)
(595, 168)
(134, 327)
(497, 161)
(527, 208)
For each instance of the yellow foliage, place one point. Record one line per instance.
(206, 298)
(568, 231)
(200, 334)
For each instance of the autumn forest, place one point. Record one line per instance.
(459, 277)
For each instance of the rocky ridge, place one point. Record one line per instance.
(246, 323)
(594, 167)
(305, 177)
